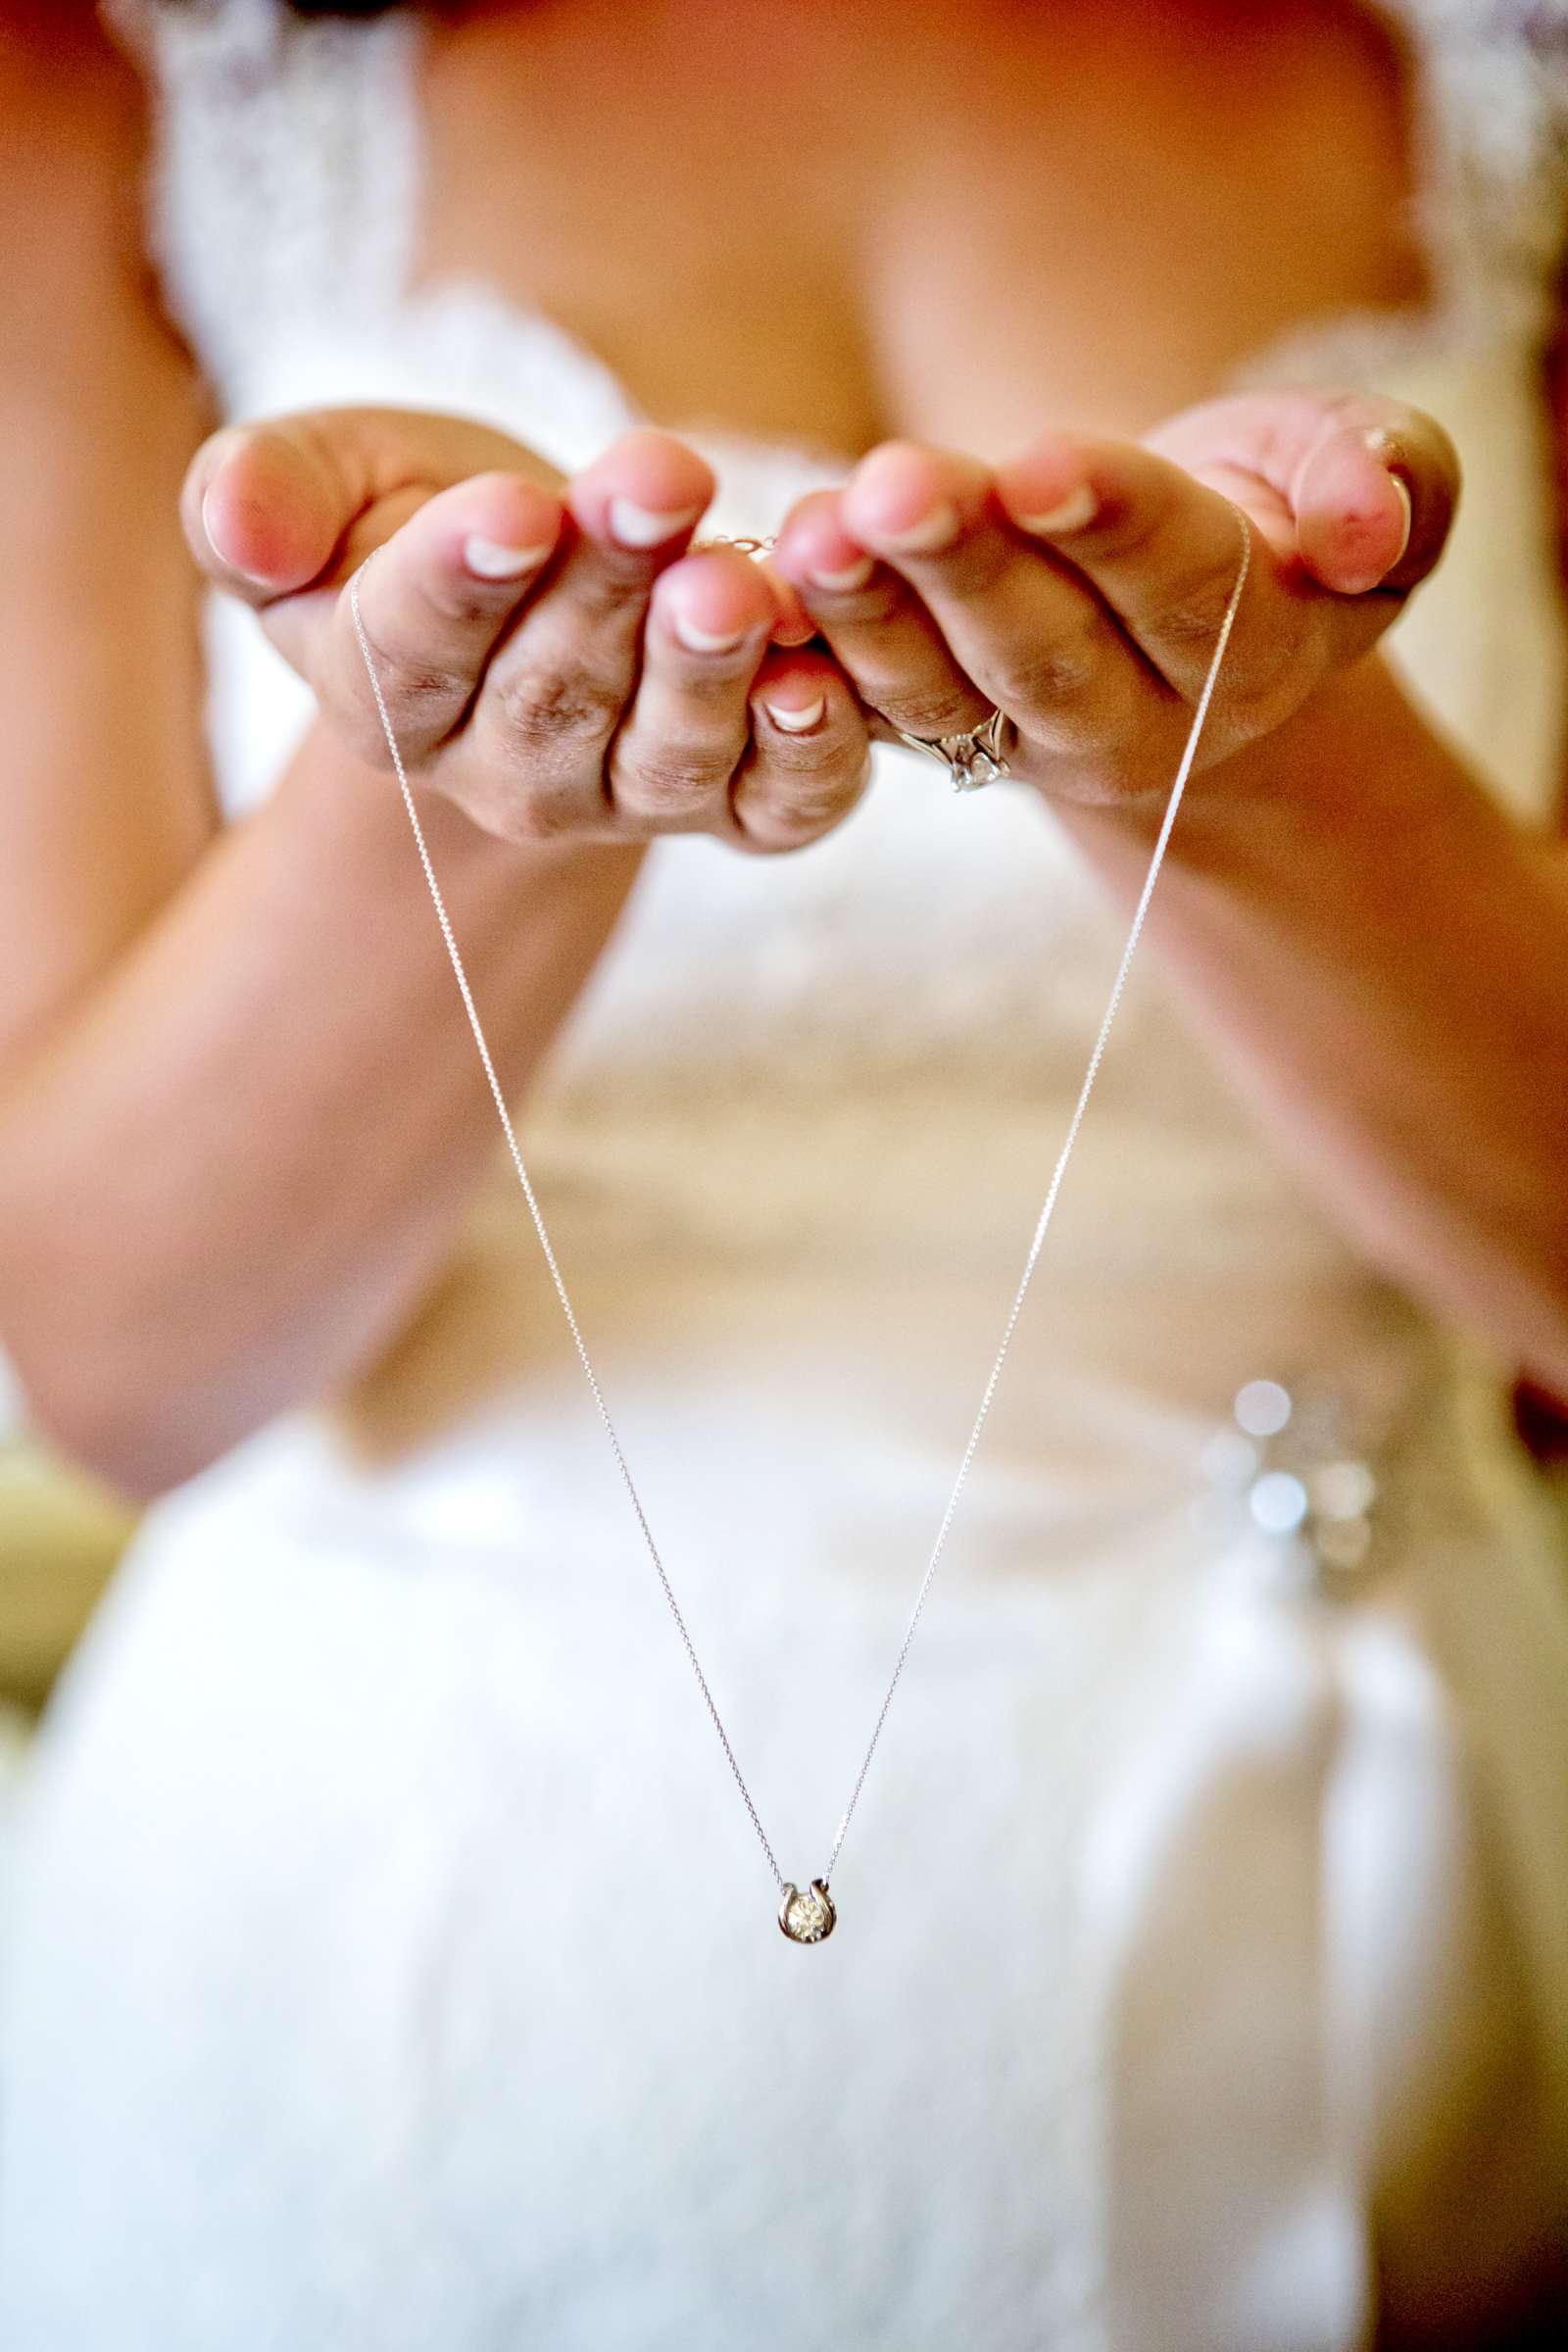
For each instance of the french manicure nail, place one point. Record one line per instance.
(492, 560)
(1075, 510)
(795, 721)
(923, 538)
(210, 527)
(845, 582)
(705, 641)
(793, 632)
(648, 526)
(216, 543)
(1404, 490)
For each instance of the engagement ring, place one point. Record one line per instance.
(970, 759)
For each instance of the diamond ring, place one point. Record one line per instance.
(970, 759)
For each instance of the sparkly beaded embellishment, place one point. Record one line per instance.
(1289, 1466)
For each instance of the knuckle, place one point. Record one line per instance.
(610, 590)
(1133, 528)
(423, 703)
(1049, 674)
(470, 606)
(797, 760)
(404, 675)
(710, 684)
(420, 698)
(542, 710)
(673, 780)
(930, 712)
(801, 803)
(978, 562)
(1190, 622)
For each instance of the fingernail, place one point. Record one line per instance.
(705, 641)
(220, 447)
(216, 543)
(492, 560)
(923, 538)
(648, 526)
(795, 721)
(1404, 489)
(845, 582)
(1076, 509)
(210, 527)
(793, 632)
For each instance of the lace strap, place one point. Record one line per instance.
(285, 166)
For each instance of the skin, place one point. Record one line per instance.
(239, 1117)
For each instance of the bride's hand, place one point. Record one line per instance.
(1081, 588)
(554, 658)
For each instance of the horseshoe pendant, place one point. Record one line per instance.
(809, 1918)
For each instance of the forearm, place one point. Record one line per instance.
(1381, 954)
(224, 1179)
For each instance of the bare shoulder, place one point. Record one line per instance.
(74, 133)
(62, 76)
(81, 298)
(101, 408)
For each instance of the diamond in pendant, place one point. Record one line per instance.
(808, 1918)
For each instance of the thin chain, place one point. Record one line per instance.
(1096, 1056)
(545, 1242)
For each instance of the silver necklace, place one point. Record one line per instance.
(809, 1915)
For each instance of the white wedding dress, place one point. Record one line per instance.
(396, 1970)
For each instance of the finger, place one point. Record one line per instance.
(880, 631)
(1161, 547)
(557, 688)
(435, 603)
(810, 760)
(1162, 551)
(793, 624)
(1341, 494)
(269, 508)
(671, 766)
(1030, 633)
(1343, 464)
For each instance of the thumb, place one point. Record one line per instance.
(297, 501)
(1361, 488)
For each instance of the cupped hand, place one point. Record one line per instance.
(1081, 588)
(555, 656)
